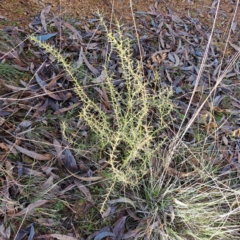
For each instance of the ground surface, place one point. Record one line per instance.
(22, 11)
(51, 169)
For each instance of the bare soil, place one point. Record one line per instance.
(21, 12)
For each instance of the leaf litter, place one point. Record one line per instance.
(170, 45)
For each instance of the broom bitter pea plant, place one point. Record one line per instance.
(129, 127)
(200, 206)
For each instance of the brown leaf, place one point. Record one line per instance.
(62, 110)
(43, 85)
(68, 188)
(87, 179)
(49, 188)
(7, 202)
(48, 183)
(225, 140)
(235, 104)
(20, 63)
(52, 95)
(44, 12)
(84, 190)
(12, 149)
(69, 161)
(119, 228)
(37, 156)
(2, 120)
(131, 233)
(47, 222)
(107, 212)
(2, 156)
(55, 236)
(59, 151)
(11, 55)
(79, 62)
(104, 97)
(3, 146)
(4, 232)
(130, 212)
(52, 83)
(237, 48)
(32, 172)
(122, 200)
(74, 30)
(29, 208)
(91, 68)
(13, 88)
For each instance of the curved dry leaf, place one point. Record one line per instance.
(132, 215)
(177, 60)
(69, 161)
(22, 233)
(2, 120)
(225, 140)
(65, 109)
(84, 190)
(29, 208)
(104, 229)
(131, 234)
(155, 225)
(30, 171)
(68, 188)
(91, 68)
(88, 179)
(13, 88)
(104, 97)
(47, 184)
(171, 57)
(122, 200)
(25, 124)
(56, 236)
(41, 82)
(119, 228)
(3, 146)
(43, 85)
(59, 150)
(5, 233)
(31, 154)
(74, 30)
(107, 212)
(237, 48)
(44, 12)
(103, 235)
(77, 64)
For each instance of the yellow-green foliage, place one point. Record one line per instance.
(128, 132)
(202, 207)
